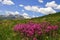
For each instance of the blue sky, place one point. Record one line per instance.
(32, 8)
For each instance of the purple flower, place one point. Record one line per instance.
(55, 27)
(31, 29)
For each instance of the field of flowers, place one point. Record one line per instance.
(37, 31)
(29, 30)
(43, 28)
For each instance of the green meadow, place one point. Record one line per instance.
(6, 26)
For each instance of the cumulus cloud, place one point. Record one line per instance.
(7, 2)
(58, 7)
(31, 8)
(41, 1)
(53, 4)
(25, 15)
(47, 10)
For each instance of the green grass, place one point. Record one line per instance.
(6, 26)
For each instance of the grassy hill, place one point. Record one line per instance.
(6, 26)
(50, 17)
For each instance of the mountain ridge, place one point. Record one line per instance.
(20, 17)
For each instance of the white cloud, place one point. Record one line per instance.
(11, 13)
(7, 2)
(16, 13)
(41, 1)
(21, 5)
(25, 15)
(51, 4)
(32, 8)
(58, 7)
(46, 11)
(27, 7)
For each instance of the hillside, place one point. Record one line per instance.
(6, 26)
(51, 17)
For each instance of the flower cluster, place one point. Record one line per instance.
(35, 29)
(51, 28)
(29, 29)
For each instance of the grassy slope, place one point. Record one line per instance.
(6, 26)
(50, 17)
